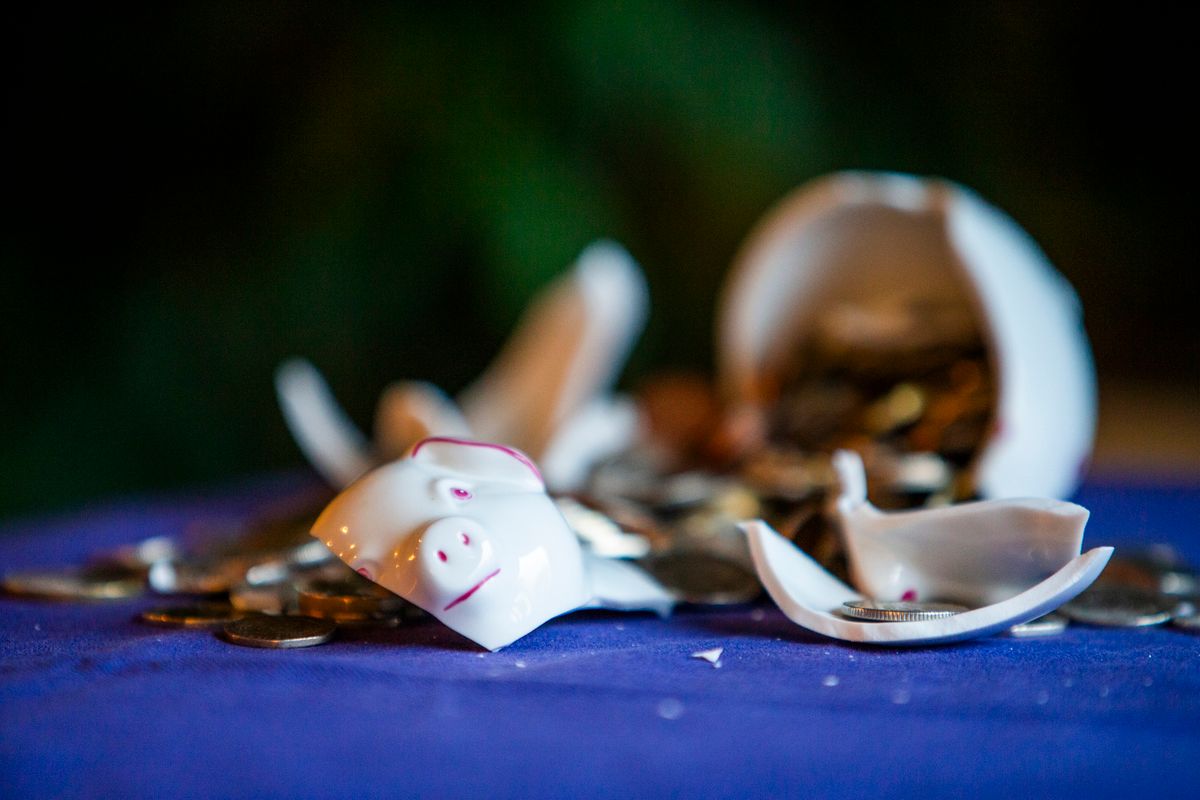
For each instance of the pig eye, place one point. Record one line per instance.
(452, 490)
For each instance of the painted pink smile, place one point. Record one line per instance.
(467, 594)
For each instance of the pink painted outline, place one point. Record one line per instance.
(467, 594)
(517, 454)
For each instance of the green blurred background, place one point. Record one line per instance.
(198, 191)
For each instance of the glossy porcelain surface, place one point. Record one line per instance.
(974, 553)
(896, 247)
(812, 598)
(466, 531)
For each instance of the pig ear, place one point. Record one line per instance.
(480, 461)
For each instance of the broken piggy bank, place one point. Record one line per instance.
(466, 531)
(1011, 560)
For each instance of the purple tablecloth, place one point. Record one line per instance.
(96, 704)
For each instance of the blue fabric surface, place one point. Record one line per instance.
(95, 704)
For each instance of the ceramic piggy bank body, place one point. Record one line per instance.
(466, 531)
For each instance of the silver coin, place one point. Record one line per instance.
(101, 582)
(1119, 607)
(1191, 624)
(144, 553)
(193, 577)
(1048, 625)
(899, 611)
(704, 578)
(199, 616)
(259, 630)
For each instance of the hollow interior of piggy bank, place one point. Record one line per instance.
(878, 346)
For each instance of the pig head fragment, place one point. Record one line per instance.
(466, 531)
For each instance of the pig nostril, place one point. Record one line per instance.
(441, 555)
(465, 538)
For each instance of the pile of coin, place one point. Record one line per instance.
(267, 584)
(1152, 587)
(910, 389)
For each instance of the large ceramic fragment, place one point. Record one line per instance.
(973, 553)
(466, 531)
(549, 392)
(812, 598)
(894, 259)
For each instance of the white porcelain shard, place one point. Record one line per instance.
(567, 349)
(409, 411)
(466, 531)
(622, 586)
(899, 255)
(973, 553)
(549, 392)
(328, 438)
(811, 597)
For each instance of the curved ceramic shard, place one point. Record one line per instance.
(466, 531)
(410, 411)
(600, 429)
(900, 246)
(973, 553)
(568, 348)
(621, 586)
(810, 596)
(546, 393)
(326, 436)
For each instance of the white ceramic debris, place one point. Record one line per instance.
(567, 350)
(549, 392)
(466, 531)
(972, 553)
(908, 255)
(811, 597)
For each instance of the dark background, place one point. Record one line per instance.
(198, 191)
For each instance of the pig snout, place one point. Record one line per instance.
(455, 555)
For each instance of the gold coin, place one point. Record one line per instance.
(105, 582)
(259, 630)
(200, 616)
(348, 600)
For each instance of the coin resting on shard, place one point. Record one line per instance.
(1012, 560)
(466, 531)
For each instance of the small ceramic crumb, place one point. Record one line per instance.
(712, 656)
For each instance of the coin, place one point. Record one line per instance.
(200, 576)
(347, 601)
(100, 582)
(1191, 623)
(899, 611)
(259, 630)
(1119, 607)
(1158, 569)
(271, 599)
(198, 616)
(1048, 625)
(144, 553)
(699, 577)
